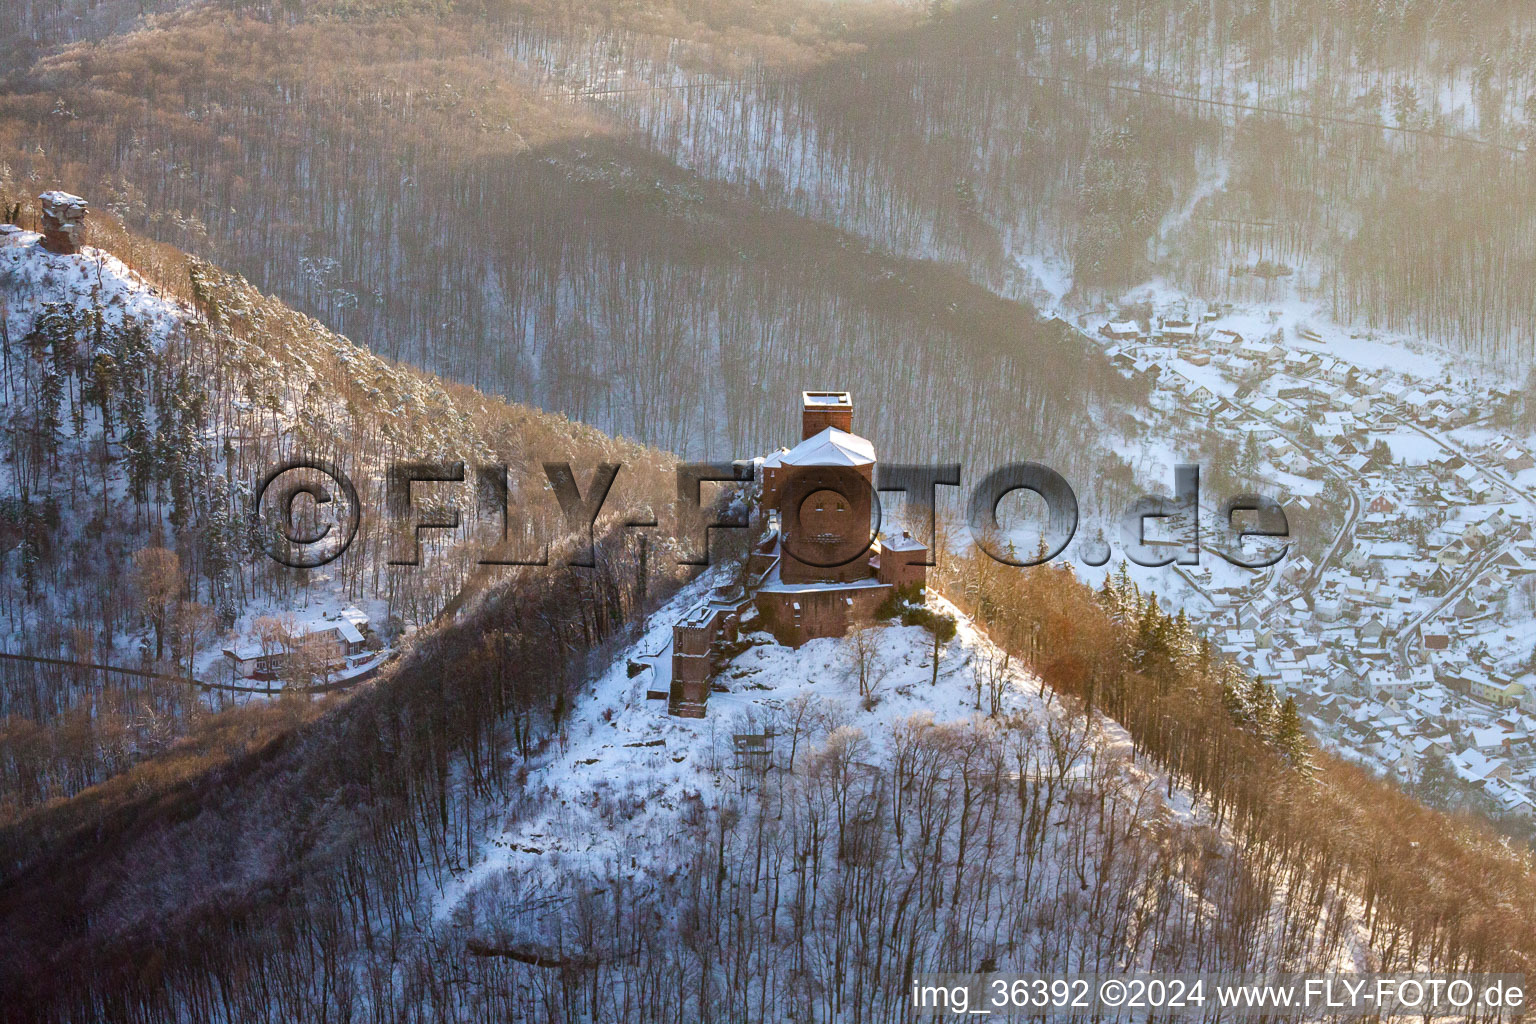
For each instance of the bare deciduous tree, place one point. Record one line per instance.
(157, 578)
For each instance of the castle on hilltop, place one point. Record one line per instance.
(816, 571)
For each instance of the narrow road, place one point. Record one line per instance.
(1404, 634)
(1195, 586)
(1451, 446)
(1346, 530)
(327, 687)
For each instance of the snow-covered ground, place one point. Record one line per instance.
(610, 797)
(268, 402)
(93, 278)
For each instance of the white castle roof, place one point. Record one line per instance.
(831, 447)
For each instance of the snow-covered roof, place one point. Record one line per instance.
(1511, 798)
(903, 543)
(1488, 738)
(244, 652)
(348, 625)
(1474, 766)
(775, 460)
(831, 447)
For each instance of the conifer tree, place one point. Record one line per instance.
(134, 358)
(1291, 738)
(1234, 696)
(1263, 709)
(1437, 780)
(1248, 464)
(222, 538)
(99, 388)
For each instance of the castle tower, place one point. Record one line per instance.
(829, 479)
(823, 409)
(818, 571)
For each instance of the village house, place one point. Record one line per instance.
(1516, 459)
(1385, 684)
(1503, 693)
(1476, 767)
(1179, 331)
(1453, 555)
(338, 638)
(1335, 371)
(1328, 609)
(1300, 363)
(1512, 801)
(1472, 483)
(1433, 642)
(1225, 341)
(1415, 402)
(1263, 352)
(1467, 607)
(1381, 501)
(1297, 568)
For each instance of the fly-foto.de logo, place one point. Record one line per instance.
(307, 512)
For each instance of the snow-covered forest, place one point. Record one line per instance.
(138, 423)
(509, 827)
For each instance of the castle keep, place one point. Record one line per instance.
(815, 572)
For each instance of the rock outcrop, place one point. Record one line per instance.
(63, 221)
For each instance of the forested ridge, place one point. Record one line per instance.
(595, 268)
(302, 881)
(178, 412)
(326, 149)
(593, 263)
(247, 886)
(1432, 888)
(137, 441)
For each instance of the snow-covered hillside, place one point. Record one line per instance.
(949, 834)
(109, 383)
(186, 408)
(91, 279)
(137, 420)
